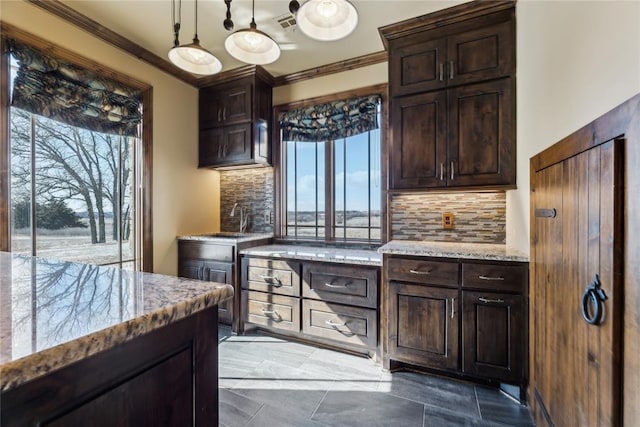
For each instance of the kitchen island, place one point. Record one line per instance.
(89, 345)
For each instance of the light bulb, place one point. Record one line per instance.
(327, 8)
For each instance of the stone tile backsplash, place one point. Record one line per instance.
(479, 217)
(253, 190)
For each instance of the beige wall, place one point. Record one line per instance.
(334, 83)
(576, 61)
(185, 199)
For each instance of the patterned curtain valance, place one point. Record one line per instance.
(65, 92)
(330, 121)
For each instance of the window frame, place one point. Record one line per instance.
(279, 160)
(146, 180)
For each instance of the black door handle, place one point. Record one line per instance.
(593, 295)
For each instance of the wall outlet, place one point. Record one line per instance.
(447, 220)
(267, 216)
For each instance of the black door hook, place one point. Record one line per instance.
(593, 295)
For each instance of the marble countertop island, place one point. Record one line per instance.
(55, 313)
(481, 251)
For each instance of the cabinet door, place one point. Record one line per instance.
(418, 67)
(221, 272)
(224, 105)
(493, 335)
(482, 135)
(482, 54)
(225, 145)
(210, 147)
(236, 104)
(423, 325)
(209, 110)
(418, 145)
(191, 269)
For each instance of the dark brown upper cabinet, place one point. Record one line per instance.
(234, 118)
(452, 96)
(419, 65)
(458, 137)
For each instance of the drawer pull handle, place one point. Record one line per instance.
(271, 313)
(490, 301)
(273, 279)
(453, 307)
(342, 285)
(330, 323)
(424, 273)
(482, 277)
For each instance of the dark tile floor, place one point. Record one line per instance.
(266, 381)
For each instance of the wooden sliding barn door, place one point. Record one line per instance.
(577, 234)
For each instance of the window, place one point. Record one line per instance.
(77, 157)
(331, 171)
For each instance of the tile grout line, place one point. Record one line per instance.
(475, 393)
(321, 400)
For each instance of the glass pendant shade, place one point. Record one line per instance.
(195, 59)
(252, 46)
(327, 20)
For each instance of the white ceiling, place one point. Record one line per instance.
(148, 23)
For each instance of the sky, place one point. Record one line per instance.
(356, 174)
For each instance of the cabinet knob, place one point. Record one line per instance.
(453, 307)
(452, 170)
(450, 70)
(441, 72)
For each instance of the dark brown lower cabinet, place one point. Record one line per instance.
(168, 377)
(492, 335)
(423, 325)
(221, 272)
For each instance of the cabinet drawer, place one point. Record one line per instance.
(510, 278)
(209, 251)
(351, 325)
(340, 283)
(271, 311)
(422, 271)
(265, 275)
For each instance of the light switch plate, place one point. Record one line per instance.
(448, 220)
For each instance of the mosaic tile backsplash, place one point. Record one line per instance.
(253, 190)
(478, 217)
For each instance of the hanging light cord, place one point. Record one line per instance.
(176, 25)
(253, 12)
(195, 36)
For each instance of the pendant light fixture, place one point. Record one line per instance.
(325, 20)
(251, 45)
(191, 57)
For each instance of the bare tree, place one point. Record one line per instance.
(70, 163)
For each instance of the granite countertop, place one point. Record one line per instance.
(227, 236)
(53, 313)
(482, 251)
(311, 253)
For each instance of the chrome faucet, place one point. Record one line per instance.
(243, 218)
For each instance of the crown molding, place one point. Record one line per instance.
(59, 9)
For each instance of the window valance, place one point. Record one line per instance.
(62, 91)
(331, 121)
